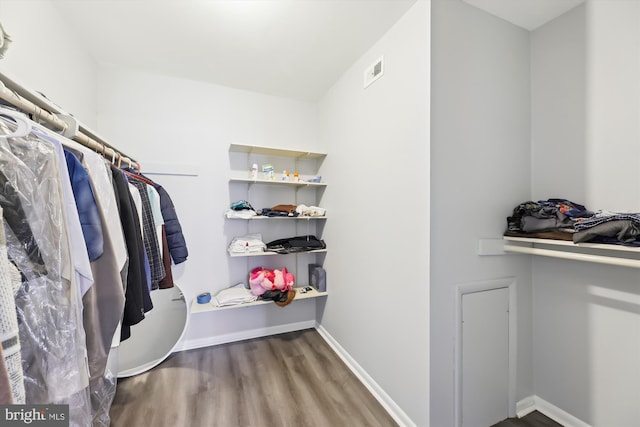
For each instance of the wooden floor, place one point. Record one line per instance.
(534, 419)
(288, 380)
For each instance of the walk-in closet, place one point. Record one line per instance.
(320, 213)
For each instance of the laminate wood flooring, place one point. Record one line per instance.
(534, 419)
(287, 380)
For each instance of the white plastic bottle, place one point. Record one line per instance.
(254, 171)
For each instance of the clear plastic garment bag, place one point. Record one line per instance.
(48, 301)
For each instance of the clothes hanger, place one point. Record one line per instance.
(138, 177)
(23, 123)
(138, 168)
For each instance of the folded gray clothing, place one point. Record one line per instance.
(623, 230)
(531, 223)
(601, 217)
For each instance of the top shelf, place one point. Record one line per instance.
(569, 243)
(618, 255)
(267, 151)
(276, 182)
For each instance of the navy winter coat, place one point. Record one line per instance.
(175, 238)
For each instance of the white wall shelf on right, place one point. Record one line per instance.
(619, 255)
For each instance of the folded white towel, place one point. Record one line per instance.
(243, 214)
(237, 294)
(304, 210)
(249, 243)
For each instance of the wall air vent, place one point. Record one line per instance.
(374, 72)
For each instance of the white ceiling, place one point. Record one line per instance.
(528, 14)
(291, 48)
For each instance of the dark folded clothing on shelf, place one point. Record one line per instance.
(560, 219)
(296, 244)
(545, 215)
(625, 231)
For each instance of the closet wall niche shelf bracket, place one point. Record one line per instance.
(616, 255)
(204, 308)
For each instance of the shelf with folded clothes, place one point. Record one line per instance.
(242, 209)
(601, 253)
(295, 197)
(209, 306)
(299, 217)
(561, 228)
(251, 245)
(269, 253)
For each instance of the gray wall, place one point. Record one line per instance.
(586, 105)
(47, 56)
(480, 169)
(378, 265)
(558, 108)
(190, 130)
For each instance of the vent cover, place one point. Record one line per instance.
(374, 72)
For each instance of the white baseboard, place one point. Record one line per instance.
(536, 403)
(243, 335)
(525, 406)
(385, 400)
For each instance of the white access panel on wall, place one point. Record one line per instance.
(485, 357)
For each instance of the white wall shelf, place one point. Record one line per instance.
(618, 255)
(267, 253)
(275, 218)
(276, 182)
(278, 152)
(270, 192)
(203, 308)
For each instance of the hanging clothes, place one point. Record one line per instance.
(104, 302)
(150, 236)
(167, 282)
(48, 301)
(6, 398)
(136, 283)
(9, 337)
(175, 239)
(86, 205)
(173, 229)
(83, 246)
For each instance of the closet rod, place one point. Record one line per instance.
(40, 108)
